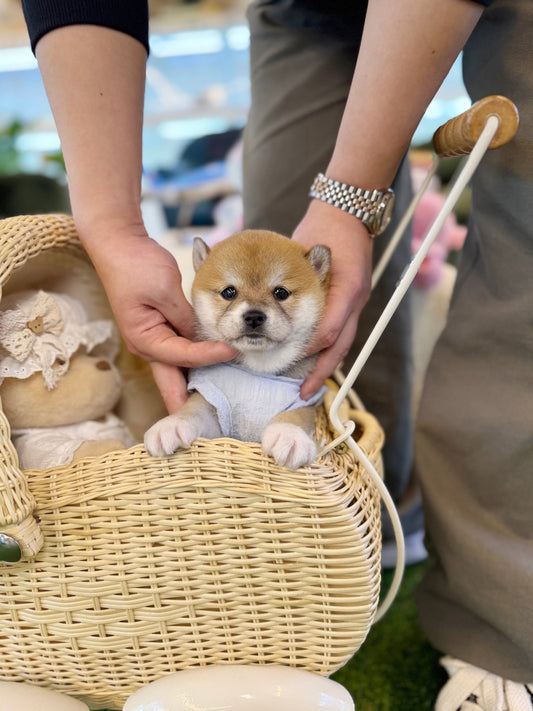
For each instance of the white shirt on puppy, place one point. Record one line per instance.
(247, 401)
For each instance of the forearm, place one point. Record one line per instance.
(94, 78)
(406, 51)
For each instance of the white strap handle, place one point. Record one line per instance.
(343, 429)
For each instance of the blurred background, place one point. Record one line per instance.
(197, 97)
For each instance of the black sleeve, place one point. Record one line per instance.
(129, 16)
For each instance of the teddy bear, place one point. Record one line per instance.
(58, 380)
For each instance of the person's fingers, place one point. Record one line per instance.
(163, 345)
(340, 310)
(171, 383)
(330, 358)
(172, 305)
(199, 353)
(181, 317)
(144, 286)
(139, 314)
(336, 314)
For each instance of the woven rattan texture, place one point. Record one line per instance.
(212, 556)
(22, 239)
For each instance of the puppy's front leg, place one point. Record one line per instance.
(288, 438)
(196, 418)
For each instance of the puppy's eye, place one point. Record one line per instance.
(229, 293)
(280, 293)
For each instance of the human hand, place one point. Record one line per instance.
(143, 284)
(351, 266)
(95, 82)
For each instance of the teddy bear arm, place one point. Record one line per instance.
(95, 448)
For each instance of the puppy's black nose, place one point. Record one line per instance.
(254, 318)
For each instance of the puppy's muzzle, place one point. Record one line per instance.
(254, 318)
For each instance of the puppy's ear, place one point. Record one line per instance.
(319, 257)
(199, 253)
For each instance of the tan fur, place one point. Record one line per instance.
(255, 262)
(277, 291)
(254, 254)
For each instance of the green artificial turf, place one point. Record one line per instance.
(396, 669)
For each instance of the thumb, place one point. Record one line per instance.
(181, 317)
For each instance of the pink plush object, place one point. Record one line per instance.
(450, 238)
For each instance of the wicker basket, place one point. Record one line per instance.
(135, 567)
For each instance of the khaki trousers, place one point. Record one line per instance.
(474, 445)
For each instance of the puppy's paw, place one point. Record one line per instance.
(170, 434)
(288, 445)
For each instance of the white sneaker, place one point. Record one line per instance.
(415, 551)
(470, 688)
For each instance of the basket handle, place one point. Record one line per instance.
(21, 239)
(459, 135)
(20, 534)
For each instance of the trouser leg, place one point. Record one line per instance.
(300, 82)
(474, 446)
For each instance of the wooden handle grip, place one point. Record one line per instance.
(458, 135)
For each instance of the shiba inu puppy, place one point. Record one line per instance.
(264, 295)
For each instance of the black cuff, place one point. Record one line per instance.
(130, 16)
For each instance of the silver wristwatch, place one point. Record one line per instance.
(373, 207)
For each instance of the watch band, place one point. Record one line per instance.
(367, 205)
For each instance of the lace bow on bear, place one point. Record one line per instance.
(42, 330)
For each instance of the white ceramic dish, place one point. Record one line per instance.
(241, 688)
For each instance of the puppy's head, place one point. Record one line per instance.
(262, 293)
